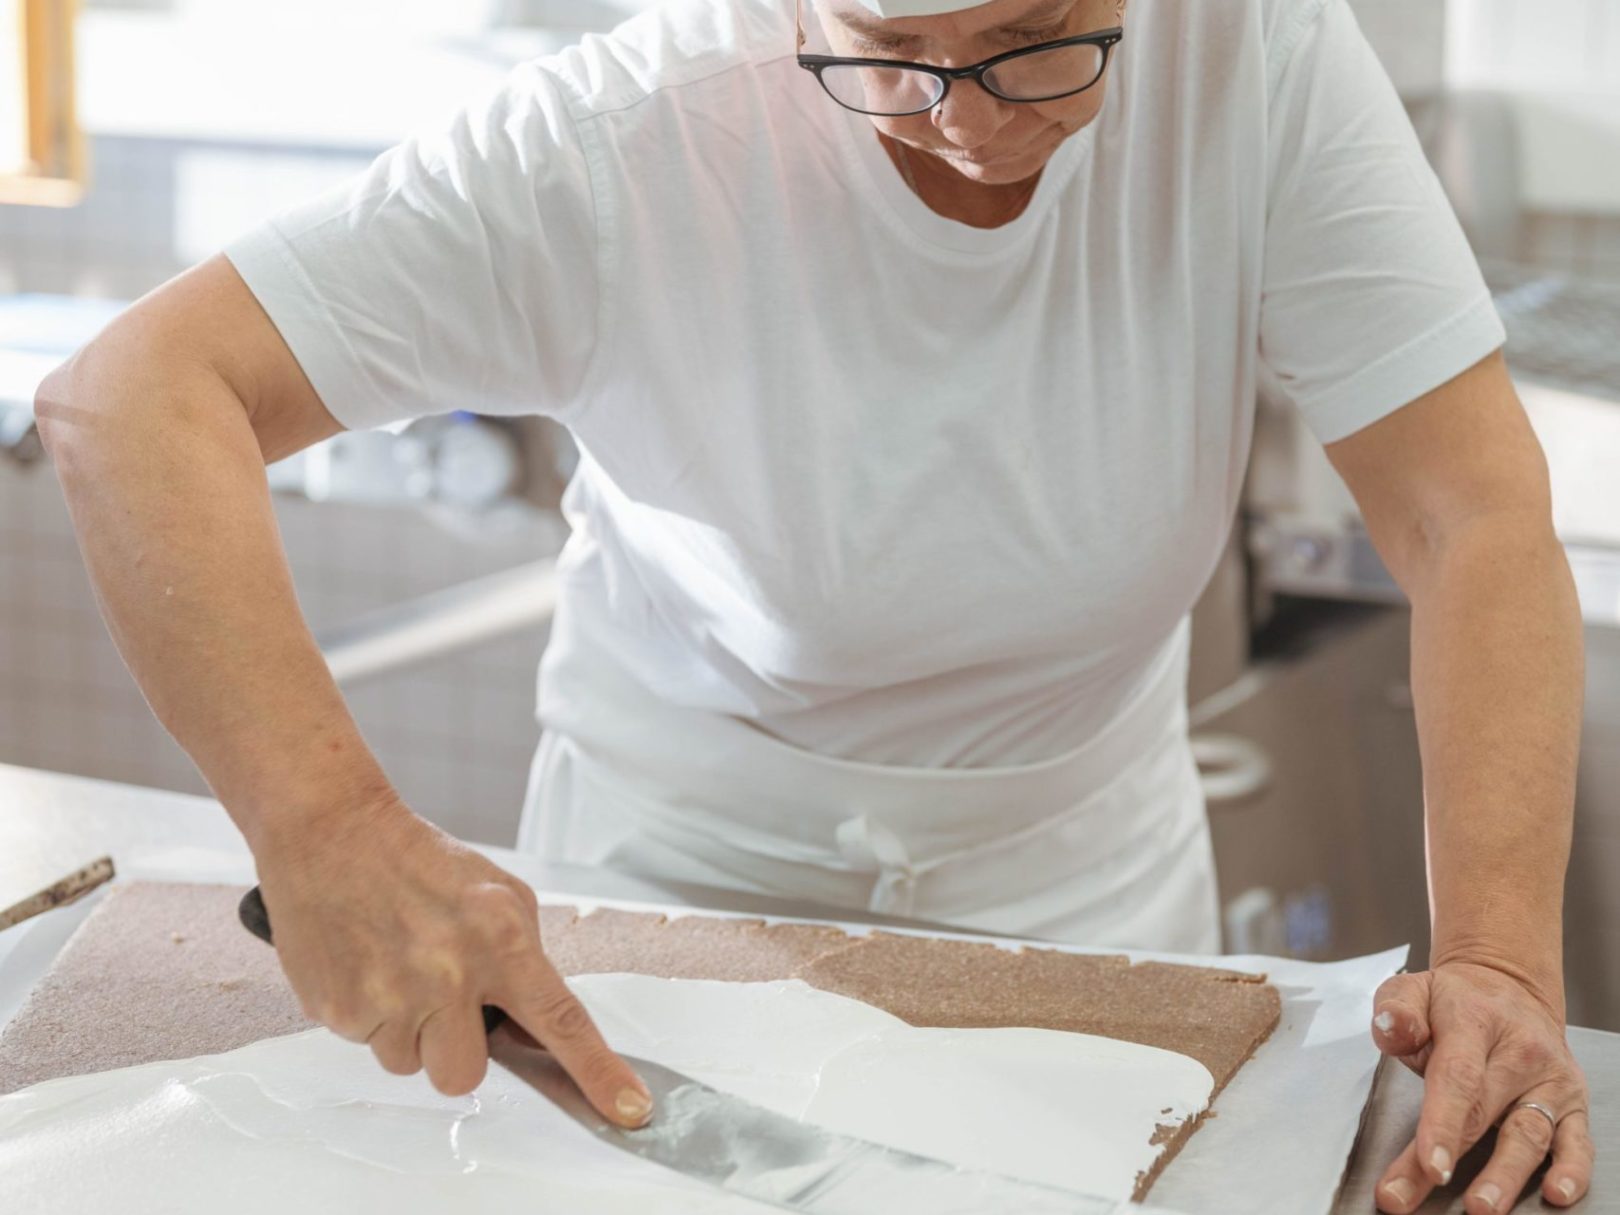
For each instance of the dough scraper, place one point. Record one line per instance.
(756, 1153)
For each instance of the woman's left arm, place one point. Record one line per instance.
(1454, 491)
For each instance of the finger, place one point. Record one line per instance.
(349, 1028)
(541, 1003)
(1404, 1185)
(1456, 1103)
(1567, 1181)
(1401, 1019)
(346, 1016)
(1521, 1146)
(454, 1050)
(394, 1044)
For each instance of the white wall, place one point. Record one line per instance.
(1410, 38)
(1559, 45)
(1561, 58)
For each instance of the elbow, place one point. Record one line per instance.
(1497, 526)
(73, 406)
(54, 411)
(68, 418)
(1507, 547)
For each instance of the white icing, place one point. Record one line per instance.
(763, 1041)
(1086, 1107)
(310, 1122)
(1070, 1110)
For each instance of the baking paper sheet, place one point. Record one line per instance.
(1283, 1129)
(308, 1122)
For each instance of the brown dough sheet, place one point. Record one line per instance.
(157, 971)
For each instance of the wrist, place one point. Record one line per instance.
(343, 811)
(1538, 968)
(1514, 925)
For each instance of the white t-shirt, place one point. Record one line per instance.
(890, 488)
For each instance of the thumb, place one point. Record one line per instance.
(1400, 1025)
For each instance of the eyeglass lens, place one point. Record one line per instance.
(1032, 77)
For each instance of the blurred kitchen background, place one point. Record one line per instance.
(421, 556)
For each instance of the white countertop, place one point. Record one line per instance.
(51, 823)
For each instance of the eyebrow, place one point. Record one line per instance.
(879, 31)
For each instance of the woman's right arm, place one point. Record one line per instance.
(390, 931)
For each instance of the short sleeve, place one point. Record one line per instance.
(460, 270)
(1371, 296)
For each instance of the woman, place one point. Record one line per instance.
(913, 375)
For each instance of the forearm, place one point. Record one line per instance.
(165, 482)
(1497, 674)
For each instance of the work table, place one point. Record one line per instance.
(52, 823)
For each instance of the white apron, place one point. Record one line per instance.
(1105, 845)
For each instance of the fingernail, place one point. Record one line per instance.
(1385, 1021)
(1440, 1161)
(633, 1105)
(1566, 1187)
(1400, 1190)
(1490, 1194)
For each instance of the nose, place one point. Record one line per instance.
(969, 116)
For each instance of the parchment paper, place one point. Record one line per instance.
(1282, 1131)
(1280, 1140)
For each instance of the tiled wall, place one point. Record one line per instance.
(456, 736)
(150, 204)
(1583, 245)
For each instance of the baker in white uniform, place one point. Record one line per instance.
(912, 349)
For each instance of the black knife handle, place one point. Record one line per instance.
(255, 918)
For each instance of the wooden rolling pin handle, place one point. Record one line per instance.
(255, 918)
(59, 894)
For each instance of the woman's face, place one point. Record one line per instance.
(982, 137)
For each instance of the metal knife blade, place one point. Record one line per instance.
(748, 1150)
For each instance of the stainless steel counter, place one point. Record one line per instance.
(1393, 1115)
(51, 823)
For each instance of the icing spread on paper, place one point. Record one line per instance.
(1070, 1110)
(311, 1119)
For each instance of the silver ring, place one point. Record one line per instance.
(1552, 1118)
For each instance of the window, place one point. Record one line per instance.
(41, 148)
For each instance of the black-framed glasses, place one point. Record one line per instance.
(893, 88)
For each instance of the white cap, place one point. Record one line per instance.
(917, 8)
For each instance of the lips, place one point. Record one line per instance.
(981, 158)
(973, 159)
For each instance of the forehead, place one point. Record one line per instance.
(964, 23)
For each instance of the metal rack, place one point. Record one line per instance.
(1563, 332)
